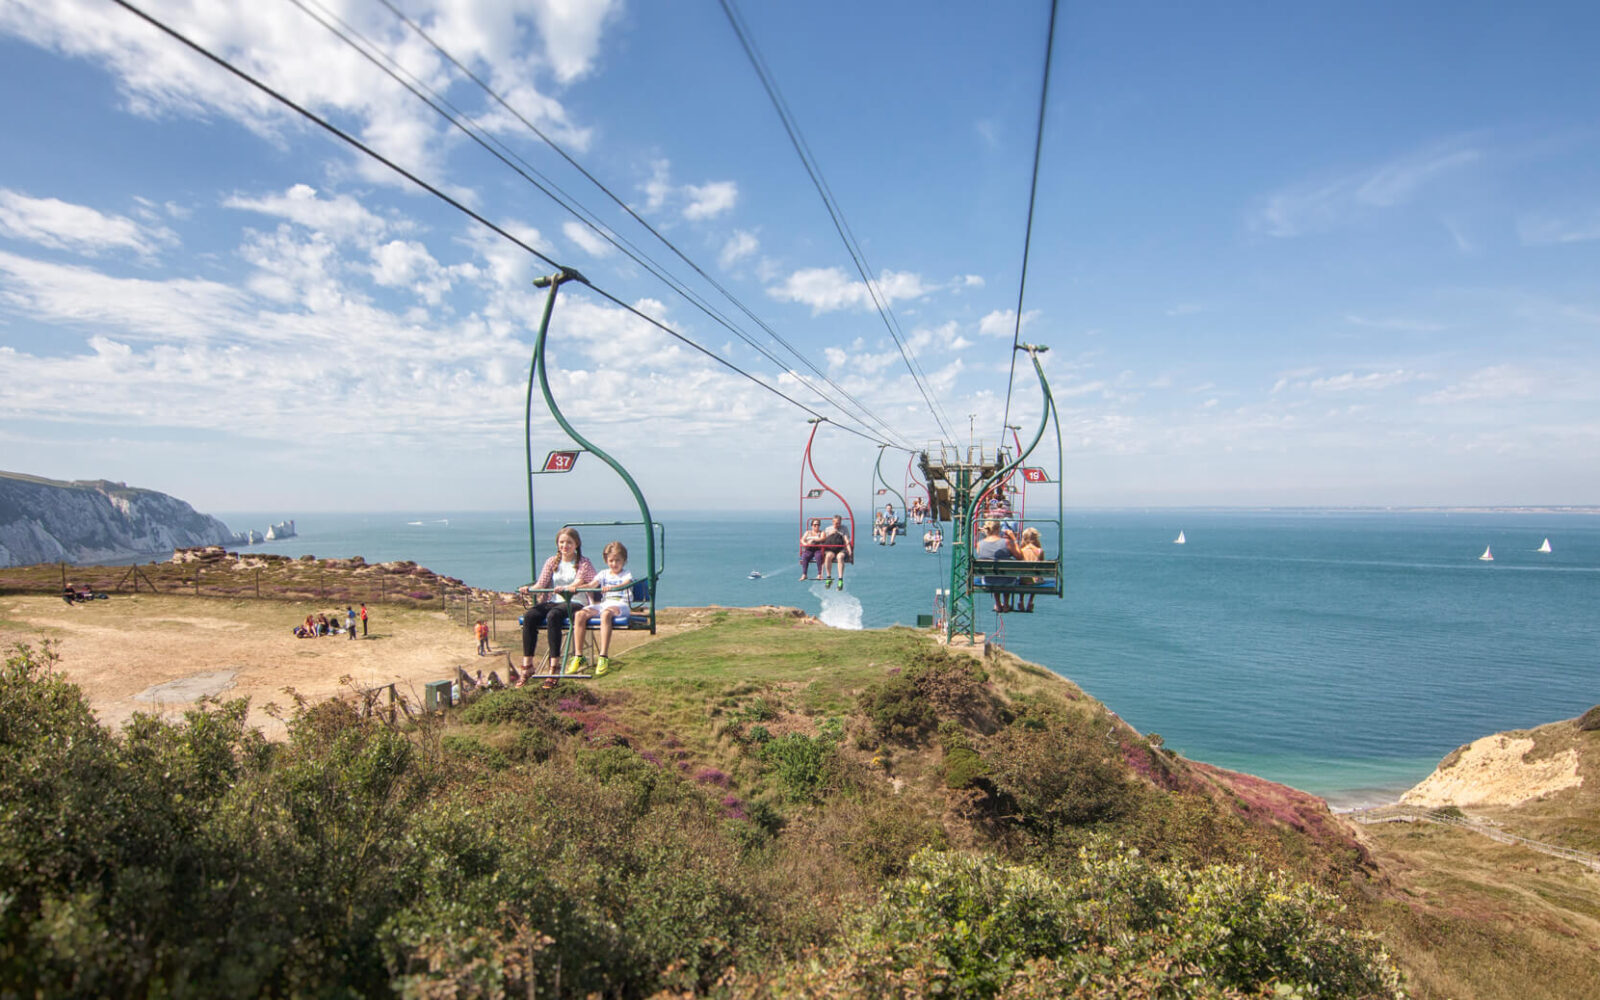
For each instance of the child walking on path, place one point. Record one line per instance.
(610, 605)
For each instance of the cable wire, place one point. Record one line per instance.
(1033, 192)
(466, 71)
(439, 105)
(454, 203)
(834, 212)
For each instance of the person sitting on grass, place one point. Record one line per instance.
(610, 606)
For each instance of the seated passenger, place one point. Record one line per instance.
(1032, 550)
(993, 546)
(610, 606)
(811, 549)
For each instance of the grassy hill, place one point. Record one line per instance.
(751, 804)
(1474, 915)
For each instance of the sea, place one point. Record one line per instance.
(1342, 652)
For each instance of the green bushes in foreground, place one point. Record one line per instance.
(971, 926)
(194, 859)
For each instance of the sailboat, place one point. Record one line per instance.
(1545, 548)
(1487, 555)
(1180, 540)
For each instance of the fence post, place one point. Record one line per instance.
(197, 581)
(258, 583)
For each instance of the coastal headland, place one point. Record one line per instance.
(852, 750)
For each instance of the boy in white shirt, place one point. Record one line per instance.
(611, 604)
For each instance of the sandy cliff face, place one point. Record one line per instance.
(1495, 771)
(45, 520)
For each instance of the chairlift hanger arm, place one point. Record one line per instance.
(539, 369)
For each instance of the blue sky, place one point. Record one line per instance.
(1307, 254)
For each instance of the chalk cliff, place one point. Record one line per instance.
(46, 520)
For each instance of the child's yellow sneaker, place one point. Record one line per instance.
(575, 665)
(602, 666)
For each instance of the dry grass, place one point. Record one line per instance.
(1473, 919)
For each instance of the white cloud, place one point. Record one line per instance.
(1547, 230)
(408, 264)
(861, 363)
(286, 49)
(1492, 383)
(1369, 382)
(740, 245)
(709, 200)
(1003, 322)
(829, 289)
(587, 240)
(695, 202)
(1328, 203)
(341, 217)
(946, 336)
(61, 225)
(1397, 324)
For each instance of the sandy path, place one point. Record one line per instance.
(143, 653)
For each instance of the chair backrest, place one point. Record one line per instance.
(641, 592)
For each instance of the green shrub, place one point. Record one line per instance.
(898, 710)
(972, 926)
(934, 686)
(531, 746)
(1067, 774)
(473, 749)
(1590, 720)
(756, 710)
(524, 706)
(963, 767)
(798, 761)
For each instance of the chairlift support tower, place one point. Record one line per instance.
(957, 484)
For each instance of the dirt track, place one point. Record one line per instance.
(143, 653)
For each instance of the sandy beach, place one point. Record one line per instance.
(158, 654)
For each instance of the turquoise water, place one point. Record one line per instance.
(1340, 652)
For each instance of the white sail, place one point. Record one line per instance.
(1487, 555)
(1545, 547)
(1180, 540)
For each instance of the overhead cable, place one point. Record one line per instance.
(1033, 192)
(812, 168)
(454, 203)
(460, 120)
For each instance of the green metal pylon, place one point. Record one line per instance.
(962, 618)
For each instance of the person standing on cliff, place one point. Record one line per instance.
(363, 621)
(350, 620)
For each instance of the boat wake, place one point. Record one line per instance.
(840, 609)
